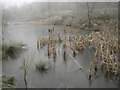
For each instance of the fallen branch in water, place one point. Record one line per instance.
(77, 63)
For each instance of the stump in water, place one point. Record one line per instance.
(64, 50)
(59, 38)
(48, 49)
(38, 44)
(64, 55)
(74, 54)
(54, 53)
(90, 72)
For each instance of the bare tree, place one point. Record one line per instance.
(90, 13)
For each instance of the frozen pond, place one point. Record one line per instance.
(61, 73)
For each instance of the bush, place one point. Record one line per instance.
(41, 65)
(8, 82)
(11, 49)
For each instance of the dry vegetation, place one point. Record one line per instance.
(104, 41)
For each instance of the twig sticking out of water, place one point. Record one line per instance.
(26, 63)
